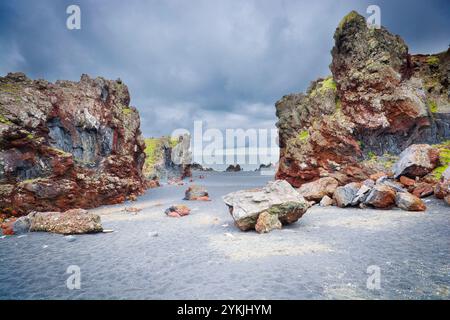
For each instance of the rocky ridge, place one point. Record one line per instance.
(378, 101)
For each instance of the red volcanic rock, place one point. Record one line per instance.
(378, 101)
(377, 176)
(381, 196)
(195, 192)
(423, 190)
(8, 227)
(177, 211)
(407, 182)
(67, 144)
(316, 190)
(409, 202)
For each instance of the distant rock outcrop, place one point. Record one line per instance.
(168, 158)
(67, 144)
(378, 101)
(233, 168)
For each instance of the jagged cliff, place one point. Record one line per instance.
(378, 101)
(67, 144)
(168, 158)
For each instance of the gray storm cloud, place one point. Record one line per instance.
(224, 62)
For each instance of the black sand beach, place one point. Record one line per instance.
(203, 256)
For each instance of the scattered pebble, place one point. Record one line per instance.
(44, 246)
(229, 235)
(108, 230)
(21, 236)
(2, 237)
(70, 238)
(153, 234)
(132, 210)
(225, 225)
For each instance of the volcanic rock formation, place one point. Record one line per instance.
(378, 101)
(67, 144)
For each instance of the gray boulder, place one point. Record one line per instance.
(277, 198)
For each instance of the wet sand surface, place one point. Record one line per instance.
(325, 255)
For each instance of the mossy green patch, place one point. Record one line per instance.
(371, 155)
(324, 86)
(303, 135)
(152, 150)
(433, 106)
(4, 120)
(61, 152)
(444, 158)
(10, 88)
(173, 141)
(127, 111)
(433, 61)
(349, 17)
(338, 104)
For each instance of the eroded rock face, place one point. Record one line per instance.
(378, 101)
(67, 144)
(316, 190)
(345, 195)
(381, 196)
(177, 211)
(195, 192)
(278, 198)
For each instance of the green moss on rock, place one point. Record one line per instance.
(444, 158)
(433, 106)
(348, 18)
(433, 61)
(303, 135)
(127, 111)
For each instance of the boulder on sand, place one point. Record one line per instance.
(416, 161)
(74, 221)
(381, 196)
(177, 211)
(277, 198)
(195, 192)
(409, 202)
(316, 190)
(407, 182)
(345, 195)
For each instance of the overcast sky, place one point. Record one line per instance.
(224, 62)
